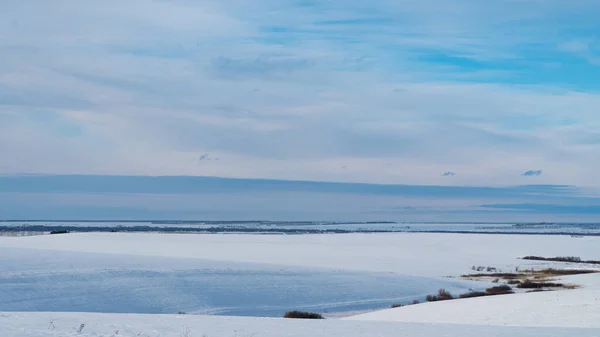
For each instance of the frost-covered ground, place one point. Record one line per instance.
(265, 275)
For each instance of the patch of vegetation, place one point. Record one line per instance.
(482, 268)
(535, 280)
(398, 305)
(473, 294)
(60, 232)
(499, 290)
(563, 272)
(537, 290)
(501, 275)
(571, 259)
(442, 295)
(528, 284)
(303, 315)
(493, 291)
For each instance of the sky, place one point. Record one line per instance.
(455, 93)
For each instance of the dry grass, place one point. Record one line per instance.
(565, 272)
(570, 259)
(527, 279)
(442, 295)
(529, 284)
(498, 275)
(499, 290)
(493, 291)
(398, 305)
(526, 275)
(473, 294)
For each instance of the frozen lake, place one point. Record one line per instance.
(35, 280)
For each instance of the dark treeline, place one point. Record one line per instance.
(282, 229)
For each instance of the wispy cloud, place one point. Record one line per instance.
(261, 67)
(207, 157)
(532, 173)
(588, 49)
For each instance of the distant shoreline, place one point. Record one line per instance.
(276, 230)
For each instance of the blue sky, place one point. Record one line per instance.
(432, 92)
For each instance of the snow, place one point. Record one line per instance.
(416, 254)
(128, 325)
(565, 308)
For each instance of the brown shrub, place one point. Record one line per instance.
(442, 295)
(499, 290)
(528, 284)
(473, 294)
(303, 315)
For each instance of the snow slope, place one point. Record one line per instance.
(127, 325)
(565, 308)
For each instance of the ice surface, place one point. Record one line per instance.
(39, 280)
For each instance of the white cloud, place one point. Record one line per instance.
(588, 49)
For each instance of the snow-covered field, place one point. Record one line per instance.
(417, 254)
(126, 325)
(266, 275)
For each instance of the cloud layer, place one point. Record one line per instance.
(357, 91)
(205, 198)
